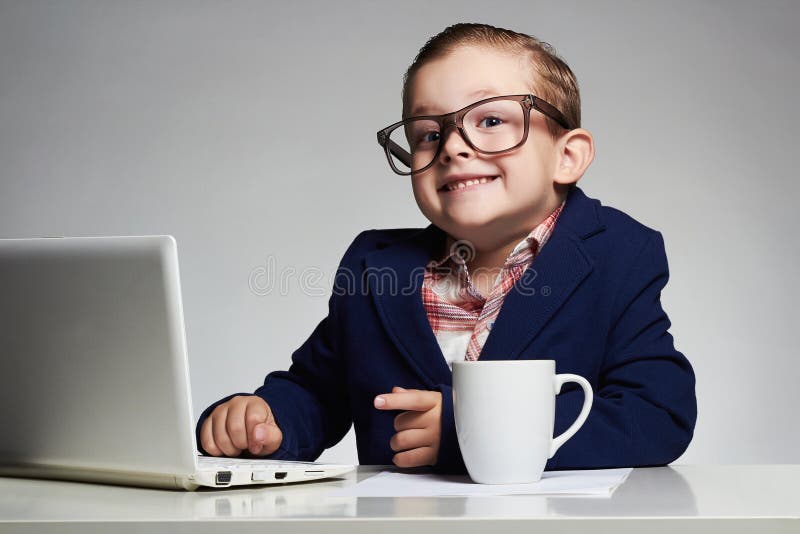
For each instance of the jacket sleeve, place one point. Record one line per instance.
(644, 408)
(310, 400)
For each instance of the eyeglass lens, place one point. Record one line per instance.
(491, 127)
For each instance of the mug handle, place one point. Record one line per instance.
(587, 405)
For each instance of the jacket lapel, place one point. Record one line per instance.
(395, 276)
(555, 273)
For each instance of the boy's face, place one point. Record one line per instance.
(523, 194)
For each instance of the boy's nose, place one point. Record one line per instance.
(454, 144)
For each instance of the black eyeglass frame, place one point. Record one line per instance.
(456, 118)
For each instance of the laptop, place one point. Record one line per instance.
(94, 377)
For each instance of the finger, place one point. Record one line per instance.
(220, 433)
(256, 412)
(408, 400)
(234, 423)
(267, 437)
(415, 457)
(207, 439)
(397, 389)
(411, 439)
(410, 420)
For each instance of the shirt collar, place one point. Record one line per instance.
(534, 242)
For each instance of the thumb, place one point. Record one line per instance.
(266, 438)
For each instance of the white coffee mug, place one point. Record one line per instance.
(504, 412)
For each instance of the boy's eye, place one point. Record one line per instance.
(489, 122)
(427, 137)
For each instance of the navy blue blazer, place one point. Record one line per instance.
(590, 301)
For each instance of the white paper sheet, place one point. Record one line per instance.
(598, 482)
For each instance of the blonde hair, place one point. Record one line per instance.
(552, 79)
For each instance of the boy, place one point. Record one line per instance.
(517, 263)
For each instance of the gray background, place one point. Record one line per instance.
(247, 130)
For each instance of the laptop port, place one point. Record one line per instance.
(223, 478)
(280, 475)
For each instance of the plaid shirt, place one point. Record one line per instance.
(460, 316)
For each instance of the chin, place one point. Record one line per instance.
(469, 229)
(471, 219)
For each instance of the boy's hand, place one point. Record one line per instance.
(418, 428)
(242, 423)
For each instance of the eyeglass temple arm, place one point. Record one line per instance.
(399, 152)
(551, 111)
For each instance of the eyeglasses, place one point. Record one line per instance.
(489, 126)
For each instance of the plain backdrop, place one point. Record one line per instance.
(247, 130)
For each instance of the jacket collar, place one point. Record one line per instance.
(544, 286)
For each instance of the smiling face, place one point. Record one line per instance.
(508, 194)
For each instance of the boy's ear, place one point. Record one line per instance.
(575, 152)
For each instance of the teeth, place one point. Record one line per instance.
(466, 183)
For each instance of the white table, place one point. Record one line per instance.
(682, 499)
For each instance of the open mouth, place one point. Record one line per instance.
(463, 185)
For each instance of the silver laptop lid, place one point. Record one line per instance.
(93, 365)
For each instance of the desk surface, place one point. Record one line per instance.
(729, 498)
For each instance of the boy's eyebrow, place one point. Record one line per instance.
(424, 109)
